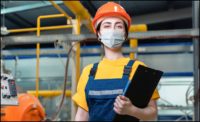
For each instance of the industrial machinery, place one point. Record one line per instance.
(18, 107)
(8, 90)
(29, 109)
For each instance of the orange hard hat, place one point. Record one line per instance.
(110, 9)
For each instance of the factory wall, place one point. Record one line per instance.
(52, 70)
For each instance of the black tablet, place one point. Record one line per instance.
(140, 89)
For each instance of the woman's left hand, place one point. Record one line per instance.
(123, 105)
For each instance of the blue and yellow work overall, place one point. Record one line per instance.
(101, 94)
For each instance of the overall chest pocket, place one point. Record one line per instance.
(101, 108)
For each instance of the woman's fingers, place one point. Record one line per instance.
(118, 101)
(121, 104)
(117, 109)
(123, 98)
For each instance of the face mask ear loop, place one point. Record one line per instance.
(102, 46)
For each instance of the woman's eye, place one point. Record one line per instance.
(120, 27)
(106, 26)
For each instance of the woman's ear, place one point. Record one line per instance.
(98, 35)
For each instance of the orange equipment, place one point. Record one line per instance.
(110, 9)
(29, 109)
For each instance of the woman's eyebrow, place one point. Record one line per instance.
(118, 23)
(106, 23)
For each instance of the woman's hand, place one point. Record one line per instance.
(123, 105)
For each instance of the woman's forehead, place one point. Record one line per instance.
(112, 20)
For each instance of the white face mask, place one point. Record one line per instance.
(112, 38)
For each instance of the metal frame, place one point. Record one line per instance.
(47, 17)
(195, 18)
(51, 38)
(79, 10)
(181, 33)
(95, 50)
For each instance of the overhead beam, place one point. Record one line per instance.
(8, 21)
(21, 18)
(51, 38)
(171, 15)
(91, 8)
(27, 7)
(79, 10)
(16, 21)
(149, 49)
(24, 20)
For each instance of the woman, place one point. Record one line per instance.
(101, 84)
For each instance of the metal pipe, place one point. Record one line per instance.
(56, 27)
(37, 68)
(38, 26)
(49, 93)
(79, 10)
(195, 21)
(166, 34)
(22, 30)
(134, 42)
(61, 10)
(51, 38)
(38, 56)
(133, 28)
(77, 29)
(78, 49)
(41, 28)
(51, 16)
(45, 17)
(138, 28)
(134, 45)
(95, 50)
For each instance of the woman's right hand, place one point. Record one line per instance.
(123, 105)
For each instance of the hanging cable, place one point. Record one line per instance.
(55, 116)
(57, 46)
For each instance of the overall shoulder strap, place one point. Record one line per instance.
(127, 70)
(93, 70)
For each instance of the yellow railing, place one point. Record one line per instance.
(41, 28)
(134, 42)
(49, 93)
(38, 44)
(46, 17)
(79, 10)
(37, 68)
